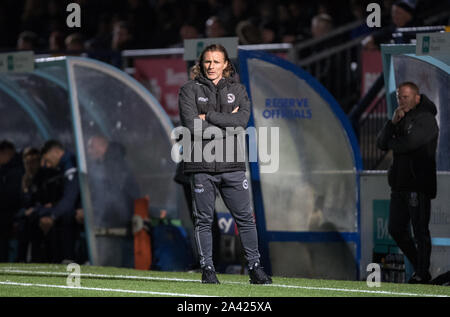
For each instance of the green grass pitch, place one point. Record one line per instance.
(35, 280)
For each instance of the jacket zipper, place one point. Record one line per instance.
(217, 105)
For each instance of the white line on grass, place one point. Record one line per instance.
(351, 290)
(103, 289)
(129, 277)
(224, 282)
(357, 291)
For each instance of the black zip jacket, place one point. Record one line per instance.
(201, 96)
(413, 141)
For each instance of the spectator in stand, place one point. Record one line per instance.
(269, 32)
(55, 18)
(102, 40)
(403, 15)
(248, 33)
(74, 43)
(215, 27)
(215, 7)
(33, 16)
(266, 17)
(187, 31)
(321, 25)
(56, 42)
(122, 38)
(169, 18)
(141, 21)
(300, 19)
(358, 8)
(11, 171)
(286, 29)
(266, 10)
(27, 41)
(240, 11)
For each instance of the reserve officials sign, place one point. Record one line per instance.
(17, 62)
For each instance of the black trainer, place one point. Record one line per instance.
(209, 276)
(416, 279)
(258, 276)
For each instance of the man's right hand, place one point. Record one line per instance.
(398, 115)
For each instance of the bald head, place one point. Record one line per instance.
(408, 96)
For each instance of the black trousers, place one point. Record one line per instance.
(406, 209)
(215, 225)
(233, 187)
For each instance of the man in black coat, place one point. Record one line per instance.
(412, 135)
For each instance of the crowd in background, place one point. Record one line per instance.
(27, 207)
(41, 215)
(40, 25)
(40, 205)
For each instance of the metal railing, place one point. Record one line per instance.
(334, 61)
(177, 52)
(368, 118)
(408, 35)
(370, 124)
(337, 69)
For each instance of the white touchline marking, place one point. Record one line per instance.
(103, 289)
(345, 290)
(28, 268)
(130, 277)
(357, 290)
(224, 282)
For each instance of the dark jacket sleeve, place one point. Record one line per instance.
(423, 130)
(234, 120)
(188, 112)
(68, 201)
(385, 135)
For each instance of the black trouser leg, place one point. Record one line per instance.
(420, 211)
(408, 208)
(215, 225)
(235, 194)
(203, 191)
(399, 226)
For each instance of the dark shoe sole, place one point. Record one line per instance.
(207, 282)
(260, 283)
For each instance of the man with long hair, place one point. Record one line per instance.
(214, 100)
